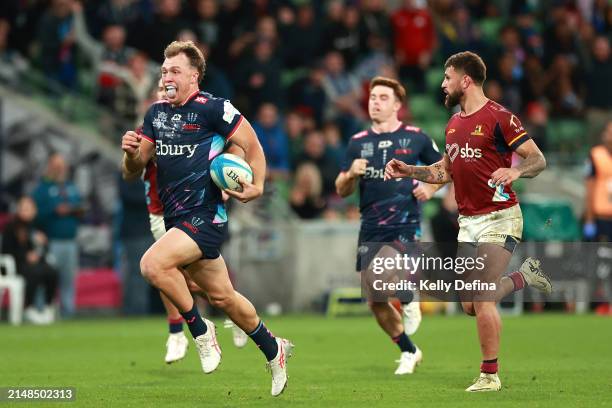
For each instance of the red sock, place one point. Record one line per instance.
(489, 366)
(518, 280)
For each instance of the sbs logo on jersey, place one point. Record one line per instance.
(465, 152)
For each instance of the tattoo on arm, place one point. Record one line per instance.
(434, 174)
(532, 165)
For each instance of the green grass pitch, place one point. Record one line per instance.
(545, 361)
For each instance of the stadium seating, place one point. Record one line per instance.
(346, 302)
(98, 289)
(567, 135)
(549, 221)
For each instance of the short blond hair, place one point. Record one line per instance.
(191, 51)
(398, 89)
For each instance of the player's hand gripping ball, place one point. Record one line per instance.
(226, 169)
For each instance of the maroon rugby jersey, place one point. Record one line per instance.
(154, 204)
(477, 145)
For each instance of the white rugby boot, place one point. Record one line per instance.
(176, 347)
(408, 362)
(239, 337)
(534, 275)
(486, 382)
(208, 348)
(278, 366)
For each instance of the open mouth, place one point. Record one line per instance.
(170, 91)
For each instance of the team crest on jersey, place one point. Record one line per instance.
(160, 120)
(404, 143)
(367, 150)
(192, 117)
(477, 131)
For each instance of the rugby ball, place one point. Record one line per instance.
(227, 168)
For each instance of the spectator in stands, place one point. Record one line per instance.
(493, 90)
(307, 94)
(12, 64)
(206, 23)
(333, 141)
(534, 80)
(536, 124)
(259, 76)
(316, 152)
(56, 38)
(561, 38)
(137, 80)
(510, 81)
(598, 205)
(303, 37)
(342, 92)
(599, 75)
(153, 36)
(305, 197)
(563, 87)
(27, 245)
(106, 57)
(59, 212)
(600, 16)
(125, 13)
(343, 36)
(236, 33)
(294, 128)
(415, 41)
(374, 26)
(135, 236)
(273, 139)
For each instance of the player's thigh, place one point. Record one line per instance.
(212, 277)
(382, 268)
(495, 259)
(174, 249)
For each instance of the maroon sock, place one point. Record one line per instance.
(518, 280)
(489, 366)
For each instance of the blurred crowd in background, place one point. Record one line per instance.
(299, 70)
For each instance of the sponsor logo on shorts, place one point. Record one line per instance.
(191, 227)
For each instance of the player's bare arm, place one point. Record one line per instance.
(137, 154)
(246, 138)
(533, 163)
(346, 182)
(437, 173)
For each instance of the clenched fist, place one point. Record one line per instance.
(130, 143)
(358, 168)
(398, 169)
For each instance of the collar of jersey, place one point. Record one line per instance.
(394, 130)
(190, 97)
